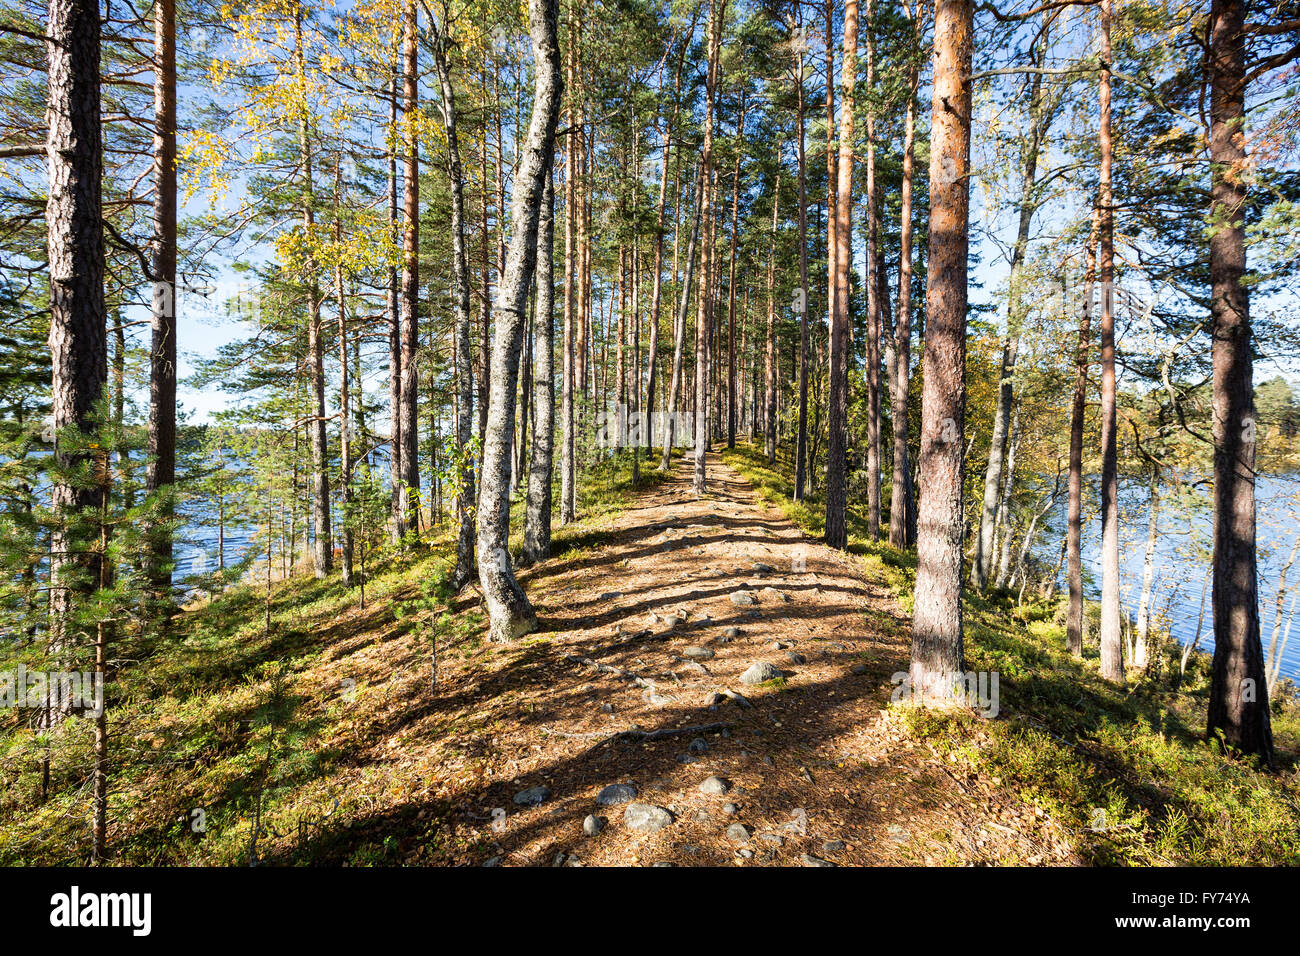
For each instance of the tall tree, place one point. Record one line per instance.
(465, 486)
(160, 471)
(1111, 635)
(510, 615)
(408, 413)
(798, 46)
(717, 12)
(537, 519)
(1238, 711)
(937, 654)
(901, 500)
(838, 386)
(78, 336)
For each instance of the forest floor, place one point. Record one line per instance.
(323, 740)
(637, 680)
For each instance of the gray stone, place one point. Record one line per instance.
(743, 597)
(762, 568)
(646, 817)
(593, 824)
(698, 746)
(731, 633)
(738, 833)
(809, 860)
(611, 595)
(697, 653)
(492, 861)
(615, 794)
(774, 594)
(715, 785)
(858, 669)
(532, 796)
(833, 846)
(730, 809)
(772, 838)
(794, 657)
(747, 854)
(899, 834)
(607, 708)
(779, 645)
(760, 672)
(671, 621)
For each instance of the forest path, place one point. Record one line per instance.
(644, 632)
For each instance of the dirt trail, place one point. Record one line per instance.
(644, 635)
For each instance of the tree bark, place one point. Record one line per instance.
(465, 484)
(160, 471)
(394, 327)
(717, 11)
(769, 354)
(901, 500)
(1238, 710)
(537, 519)
(410, 477)
(1112, 639)
(78, 334)
(837, 439)
(801, 439)
(509, 613)
(874, 317)
(937, 653)
(568, 467)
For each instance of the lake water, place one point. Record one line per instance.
(1181, 573)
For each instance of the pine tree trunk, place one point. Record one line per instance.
(409, 413)
(838, 384)
(937, 653)
(568, 468)
(394, 327)
(509, 613)
(717, 12)
(801, 440)
(901, 500)
(78, 335)
(875, 311)
(1112, 646)
(769, 352)
(1238, 710)
(160, 471)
